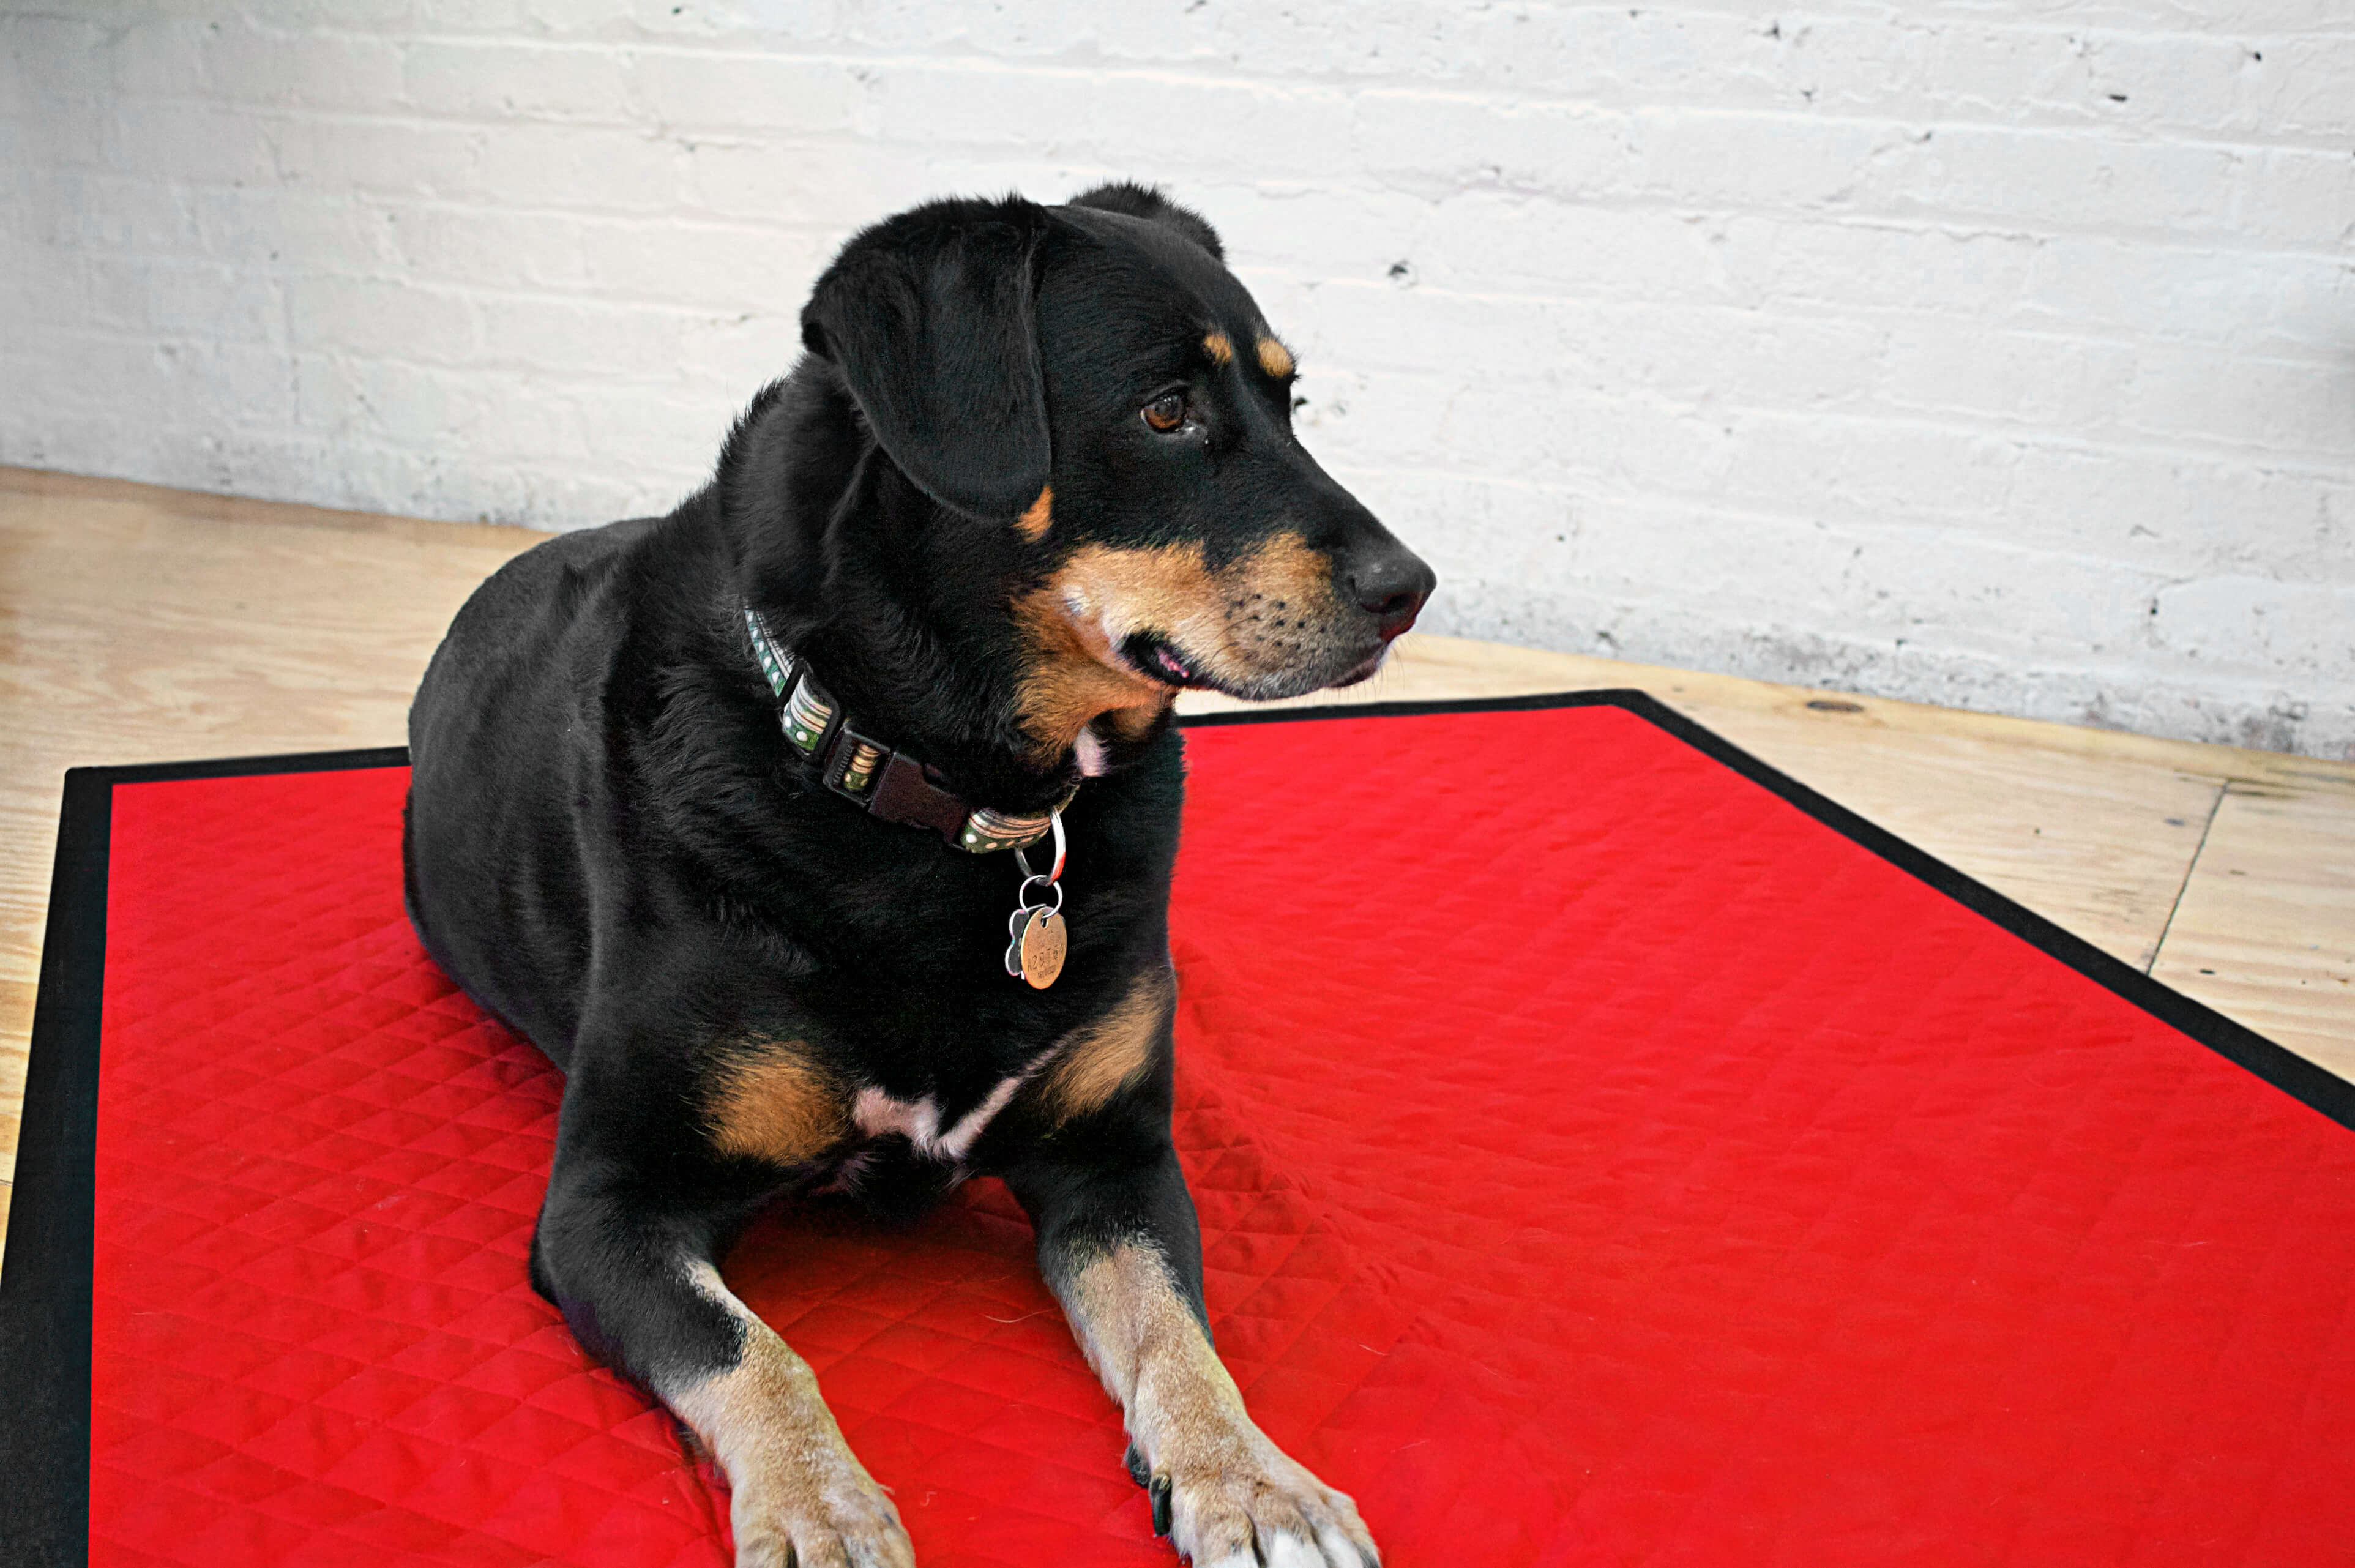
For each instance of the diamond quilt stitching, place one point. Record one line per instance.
(1644, 1173)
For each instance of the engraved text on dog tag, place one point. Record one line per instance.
(1044, 941)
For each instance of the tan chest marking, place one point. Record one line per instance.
(1091, 1064)
(772, 1104)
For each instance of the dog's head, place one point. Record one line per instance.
(1094, 381)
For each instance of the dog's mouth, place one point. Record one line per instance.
(1155, 657)
(1160, 660)
(1268, 626)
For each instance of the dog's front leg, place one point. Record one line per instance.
(641, 1289)
(1120, 1246)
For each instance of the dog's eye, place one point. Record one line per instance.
(1166, 413)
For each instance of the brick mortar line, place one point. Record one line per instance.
(1726, 506)
(2034, 325)
(2304, 463)
(1867, 15)
(2219, 38)
(1862, 519)
(1331, 363)
(1649, 499)
(1960, 226)
(2331, 142)
(1641, 500)
(395, 204)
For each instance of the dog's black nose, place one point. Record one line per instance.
(1391, 588)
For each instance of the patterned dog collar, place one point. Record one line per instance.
(887, 783)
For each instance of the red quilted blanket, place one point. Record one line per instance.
(1601, 1161)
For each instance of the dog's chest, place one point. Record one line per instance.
(878, 1115)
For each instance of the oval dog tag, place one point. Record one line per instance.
(1044, 942)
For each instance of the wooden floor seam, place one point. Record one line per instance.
(2189, 871)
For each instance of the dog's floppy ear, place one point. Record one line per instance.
(1146, 201)
(929, 317)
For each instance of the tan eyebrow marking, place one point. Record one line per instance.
(1220, 346)
(1035, 522)
(1274, 359)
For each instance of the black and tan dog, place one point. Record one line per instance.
(709, 806)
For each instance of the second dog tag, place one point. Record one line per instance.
(1016, 926)
(1043, 944)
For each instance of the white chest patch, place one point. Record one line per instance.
(919, 1120)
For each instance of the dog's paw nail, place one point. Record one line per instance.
(1159, 1491)
(1139, 1470)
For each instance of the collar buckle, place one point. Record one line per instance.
(853, 763)
(885, 783)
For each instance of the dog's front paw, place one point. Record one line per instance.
(818, 1511)
(1234, 1499)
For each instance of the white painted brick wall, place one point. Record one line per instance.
(1990, 352)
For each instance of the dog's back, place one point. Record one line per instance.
(520, 683)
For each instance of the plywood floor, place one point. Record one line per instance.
(141, 624)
